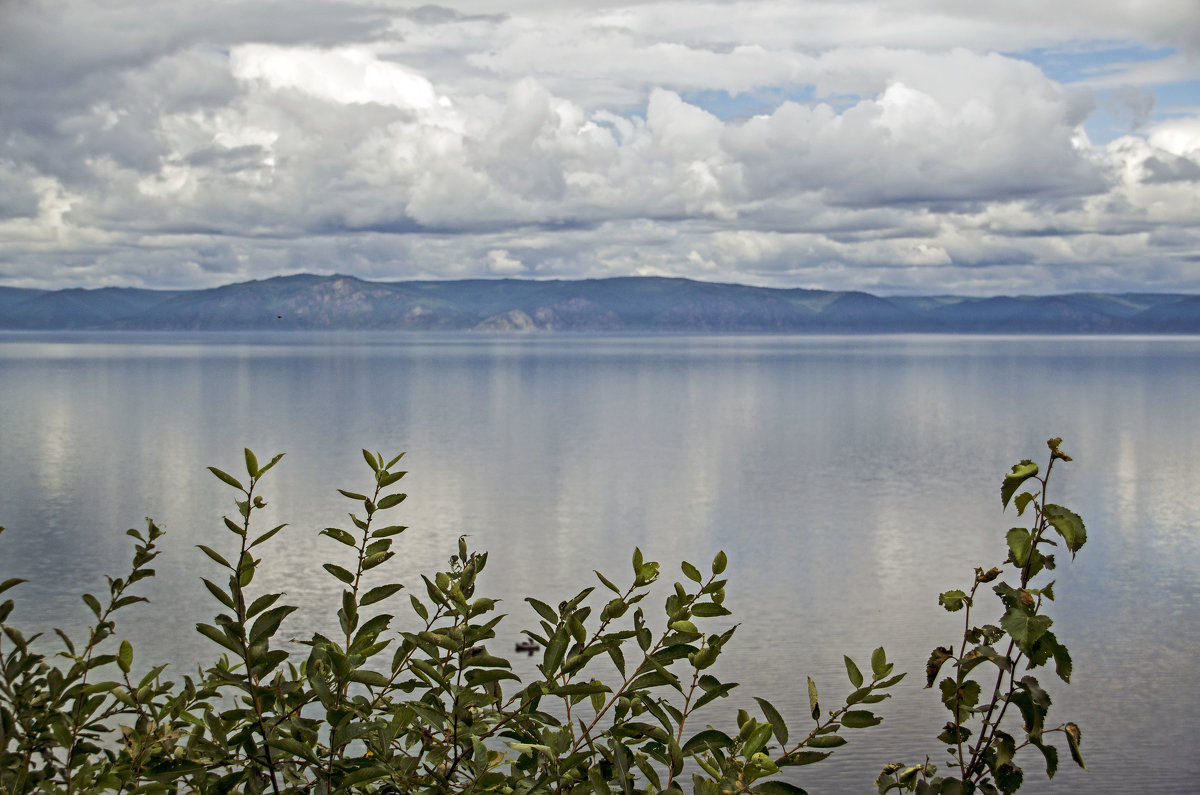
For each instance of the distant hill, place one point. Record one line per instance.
(640, 304)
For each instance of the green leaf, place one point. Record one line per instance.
(859, 719)
(125, 656)
(1008, 777)
(1034, 703)
(379, 593)
(607, 584)
(1012, 481)
(718, 564)
(775, 719)
(262, 538)
(1051, 755)
(691, 572)
(219, 594)
(370, 678)
(227, 478)
(93, 603)
(340, 535)
(1024, 628)
(339, 572)
(219, 637)
(295, 748)
(1020, 544)
(856, 677)
(879, 663)
(1069, 526)
(261, 603)
(544, 610)
(803, 758)
(213, 554)
(684, 627)
(757, 740)
(391, 501)
(372, 462)
(251, 464)
(709, 610)
(1022, 501)
(10, 582)
(953, 601)
(778, 788)
(263, 470)
(813, 706)
(826, 741)
(266, 624)
(707, 740)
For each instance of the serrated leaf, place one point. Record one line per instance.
(953, 600)
(937, 659)
(1051, 755)
(1069, 526)
(1024, 628)
(1022, 501)
(691, 572)
(1020, 544)
(1012, 481)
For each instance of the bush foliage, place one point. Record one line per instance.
(428, 703)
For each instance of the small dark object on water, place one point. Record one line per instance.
(527, 646)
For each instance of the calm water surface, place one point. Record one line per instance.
(849, 479)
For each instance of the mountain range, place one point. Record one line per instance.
(616, 304)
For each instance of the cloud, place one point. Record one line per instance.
(909, 146)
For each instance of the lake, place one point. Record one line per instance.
(849, 479)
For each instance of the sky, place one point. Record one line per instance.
(903, 147)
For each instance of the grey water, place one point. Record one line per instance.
(849, 479)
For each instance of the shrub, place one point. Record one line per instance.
(434, 708)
